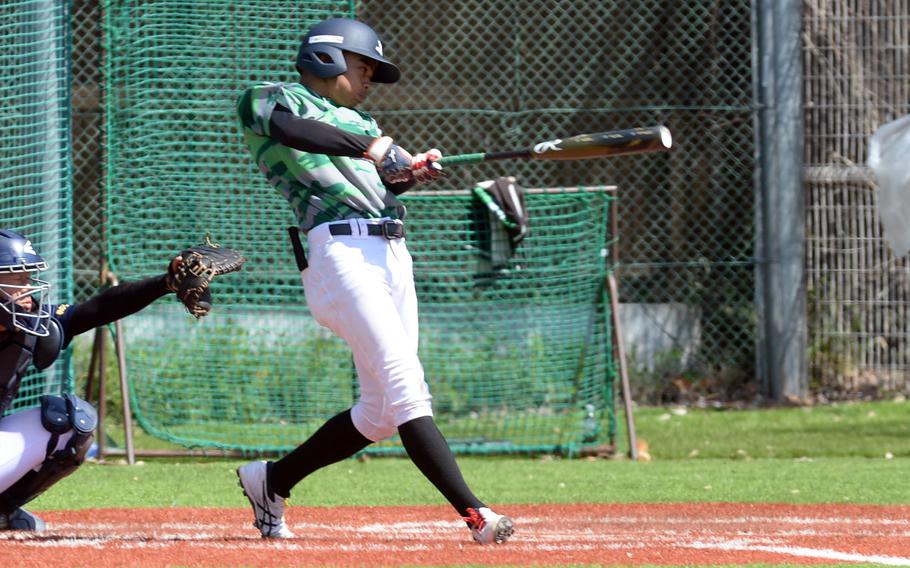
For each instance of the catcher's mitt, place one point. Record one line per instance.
(190, 277)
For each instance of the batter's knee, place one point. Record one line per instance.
(371, 422)
(409, 411)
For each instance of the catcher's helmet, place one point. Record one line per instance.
(334, 36)
(18, 255)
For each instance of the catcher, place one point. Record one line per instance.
(341, 177)
(40, 446)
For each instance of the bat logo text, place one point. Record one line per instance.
(548, 146)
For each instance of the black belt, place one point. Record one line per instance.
(388, 229)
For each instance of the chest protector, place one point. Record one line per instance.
(18, 350)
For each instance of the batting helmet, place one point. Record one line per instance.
(333, 37)
(18, 255)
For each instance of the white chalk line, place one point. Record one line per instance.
(535, 535)
(726, 521)
(803, 552)
(577, 523)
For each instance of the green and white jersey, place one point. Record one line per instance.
(320, 188)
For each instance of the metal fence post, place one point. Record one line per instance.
(780, 208)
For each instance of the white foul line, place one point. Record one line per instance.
(804, 552)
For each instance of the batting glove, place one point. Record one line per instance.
(392, 161)
(425, 168)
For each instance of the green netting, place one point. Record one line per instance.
(34, 150)
(477, 75)
(513, 353)
(176, 162)
(512, 357)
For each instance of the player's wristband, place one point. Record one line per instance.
(378, 149)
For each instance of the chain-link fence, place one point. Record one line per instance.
(488, 75)
(88, 143)
(496, 74)
(857, 76)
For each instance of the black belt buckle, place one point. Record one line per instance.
(392, 230)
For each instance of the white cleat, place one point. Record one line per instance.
(487, 527)
(268, 508)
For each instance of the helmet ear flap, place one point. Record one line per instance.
(334, 36)
(322, 60)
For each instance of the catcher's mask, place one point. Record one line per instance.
(333, 37)
(18, 256)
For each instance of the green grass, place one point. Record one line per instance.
(392, 481)
(831, 454)
(840, 430)
(869, 430)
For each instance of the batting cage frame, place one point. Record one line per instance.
(517, 355)
(517, 361)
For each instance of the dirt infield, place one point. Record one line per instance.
(545, 535)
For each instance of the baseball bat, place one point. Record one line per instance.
(639, 140)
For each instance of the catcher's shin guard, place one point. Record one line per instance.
(59, 415)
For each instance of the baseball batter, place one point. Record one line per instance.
(342, 177)
(40, 446)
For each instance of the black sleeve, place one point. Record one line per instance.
(400, 187)
(108, 306)
(309, 135)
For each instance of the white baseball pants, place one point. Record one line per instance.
(362, 288)
(23, 445)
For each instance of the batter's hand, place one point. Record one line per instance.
(392, 161)
(425, 168)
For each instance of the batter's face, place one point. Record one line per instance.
(352, 87)
(16, 286)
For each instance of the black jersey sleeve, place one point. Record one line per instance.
(400, 187)
(310, 135)
(108, 306)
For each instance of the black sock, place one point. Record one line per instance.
(429, 451)
(335, 440)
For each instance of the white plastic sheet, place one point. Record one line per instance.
(889, 158)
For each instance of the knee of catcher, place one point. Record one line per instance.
(59, 416)
(69, 413)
